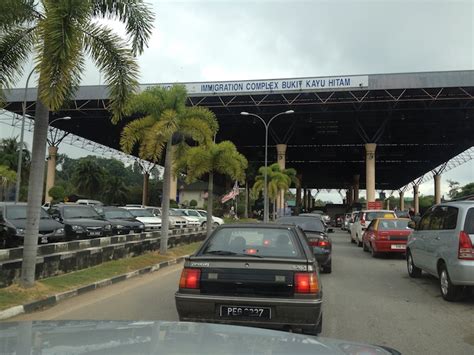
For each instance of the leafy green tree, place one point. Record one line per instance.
(466, 190)
(193, 203)
(88, 178)
(57, 193)
(115, 191)
(59, 34)
(7, 176)
(214, 158)
(454, 188)
(9, 149)
(166, 120)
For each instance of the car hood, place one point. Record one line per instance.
(89, 222)
(125, 221)
(44, 224)
(149, 219)
(143, 337)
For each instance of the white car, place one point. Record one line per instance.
(151, 222)
(216, 220)
(192, 221)
(362, 220)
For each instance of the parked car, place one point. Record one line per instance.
(89, 202)
(216, 220)
(191, 220)
(174, 221)
(194, 213)
(122, 221)
(442, 245)
(362, 220)
(347, 219)
(80, 221)
(386, 236)
(151, 222)
(263, 275)
(317, 239)
(13, 226)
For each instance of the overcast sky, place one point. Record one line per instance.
(232, 40)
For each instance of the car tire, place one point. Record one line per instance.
(373, 252)
(413, 271)
(204, 224)
(449, 292)
(215, 224)
(359, 243)
(364, 247)
(352, 240)
(326, 269)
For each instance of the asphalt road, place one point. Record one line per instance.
(365, 299)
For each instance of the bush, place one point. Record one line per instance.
(193, 204)
(57, 193)
(173, 204)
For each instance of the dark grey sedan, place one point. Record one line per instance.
(261, 275)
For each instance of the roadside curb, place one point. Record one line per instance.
(53, 300)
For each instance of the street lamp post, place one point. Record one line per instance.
(265, 178)
(65, 118)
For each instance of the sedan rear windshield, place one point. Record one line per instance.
(258, 242)
(305, 223)
(80, 212)
(469, 223)
(141, 213)
(393, 224)
(373, 215)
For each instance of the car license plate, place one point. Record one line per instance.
(246, 312)
(94, 233)
(398, 246)
(44, 240)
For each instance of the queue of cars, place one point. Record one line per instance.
(440, 244)
(88, 219)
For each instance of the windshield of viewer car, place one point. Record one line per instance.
(305, 223)
(266, 242)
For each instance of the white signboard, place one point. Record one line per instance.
(276, 86)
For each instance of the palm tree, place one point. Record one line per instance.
(115, 191)
(9, 149)
(166, 120)
(7, 176)
(88, 177)
(277, 180)
(222, 158)
(59, 35)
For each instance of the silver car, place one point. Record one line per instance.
(442, 245)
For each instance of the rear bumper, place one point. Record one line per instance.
(285, 313)
(385, 246)
(323, 258)
(462, 272)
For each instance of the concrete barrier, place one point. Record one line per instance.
(60, 258)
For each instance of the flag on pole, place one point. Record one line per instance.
(230, 195)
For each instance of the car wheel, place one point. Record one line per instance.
(364, 247)
(449, 291)
(204, 224)
(326, 269)
(215, 224)
(413, 271)
(373, 252)
(352, 240)
(359, 243)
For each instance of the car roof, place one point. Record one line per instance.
(256, 225)
(377, 211)
(11, 203)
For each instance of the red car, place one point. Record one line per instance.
(386, 235)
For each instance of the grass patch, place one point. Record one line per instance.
(15, 295)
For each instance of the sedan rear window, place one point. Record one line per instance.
(393, 224)
(305, 223)
(258, 242)
(373, 215)
(469, 223)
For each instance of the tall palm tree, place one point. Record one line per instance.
(166, 120)
(88, 178)
(277, 180)
(7, 177)
(59, 35)
(221, 158)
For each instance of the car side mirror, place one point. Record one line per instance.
(412, 225)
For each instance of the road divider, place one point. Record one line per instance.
(60, 258)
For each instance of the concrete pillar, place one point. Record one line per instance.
(356, 188)
(298, 195)
(416, 201)
(51, 171)
(305, 199)
(174, 179)
(388, 204)
(350, 196)
(370, 171)
(281, 159)
(309, 197)
(437, 188)
(402, 201)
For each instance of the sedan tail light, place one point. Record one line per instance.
(190, 278)
(465, 251)
(306, 282)
(319, 243)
